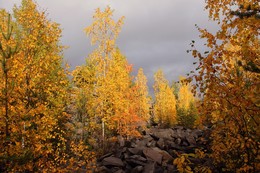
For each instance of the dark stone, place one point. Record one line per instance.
(150, 167)
(166, 157)
(104, 156)
(126, 155)
(128, 167)
(197, 133)
(178, 141)
(112, 161)
(159, 169)
(135, 151)
(136, 160)
(155, 151)
(154, 137)
(102, 169)
(180, 134)
(120, 152)
(171, 168)
(137, 169)
(184, 143)
(137, 157)
(120, 171)
(153, 155)
(143, 142)
(179, 127)
(163, 133)
(160, 143)
(129, 143)
(191, 140)
(151, 143)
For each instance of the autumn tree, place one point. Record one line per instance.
(165, 102)
(8, 49)
(143, 100)
(34, 93)
(83, 99)
(186, 104)
(107, 84)
(228, 79)
(122, 97)
(103, 32)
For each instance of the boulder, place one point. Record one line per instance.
(163, 133)
(155, 151)
(136, 160)
(191, 139)
(137, 169)
(135, 151)
(112, 161)
(161, 143)
(153, 155)
(150, 167)
(120, 171)
(166, 157)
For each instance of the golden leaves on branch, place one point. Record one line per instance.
(228, 80)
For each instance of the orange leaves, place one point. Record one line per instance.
(229, 84)
(111, 100)
(37, 92)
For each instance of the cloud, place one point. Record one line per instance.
(156, 33)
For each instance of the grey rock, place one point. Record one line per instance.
(153, 155)
(151, 143)
(136, 160)
(112, 161)
(166, 157)
(120, 171)
(163, 133)
(135, 151)
(150, 167)
(191, 140)
(161, 143)
(178, 141)
(137, 169)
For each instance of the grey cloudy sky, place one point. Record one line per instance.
(156, 33)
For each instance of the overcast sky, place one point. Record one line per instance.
(156, 33)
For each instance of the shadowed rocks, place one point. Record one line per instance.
(154, 152)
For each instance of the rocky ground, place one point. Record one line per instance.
(155, 151)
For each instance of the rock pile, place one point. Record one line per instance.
(154, 152)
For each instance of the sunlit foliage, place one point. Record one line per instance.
(228, 79)
(114, 104)
(165, 102)
(187, 112)
(33, 93)
(143, 100)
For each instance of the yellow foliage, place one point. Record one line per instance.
(165, 102)
(35, 129)
(143, 99)
(186, 98)
(113, 105)
(228, 78)
(182, 162)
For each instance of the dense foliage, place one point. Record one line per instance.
(51, 124)
(228, 79)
